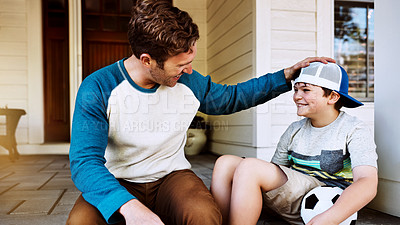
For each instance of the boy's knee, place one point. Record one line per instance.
(246, 166)
(251, 169)
(226, 164)
(226, 160)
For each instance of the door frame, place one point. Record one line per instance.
(75, 51)
(35, 72)
(56, 73)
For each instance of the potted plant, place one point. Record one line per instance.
(196, 136)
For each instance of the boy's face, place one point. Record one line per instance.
(310, 100)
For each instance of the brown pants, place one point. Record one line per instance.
(178, 198)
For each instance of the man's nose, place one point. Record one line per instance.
(188, 69)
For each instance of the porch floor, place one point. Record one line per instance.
(38, 189)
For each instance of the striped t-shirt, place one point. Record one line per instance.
(328, 153)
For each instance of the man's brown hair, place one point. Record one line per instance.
(161, 30)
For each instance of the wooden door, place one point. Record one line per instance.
(56, 71)
(104, 36)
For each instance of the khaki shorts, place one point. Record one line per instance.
(286, 200)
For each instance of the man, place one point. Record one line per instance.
(130, 122)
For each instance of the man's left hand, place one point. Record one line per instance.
(293, 72)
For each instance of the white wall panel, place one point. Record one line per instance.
(13, 5)
(13, 48)
(12, 19)
(197, 10)
(230, 68)
(242, 29)
(242, 135)
(219, 28)
(13, 77)
(225, 10)
(293, 40)
(191, 5)
(17, 63)
(230, 60)
(387, 110)
(240, 47)
(13, 103)
(294, 5)
(12, 34)
(232, 149)
(242, 75)
(293, 20)
(13, 92)
(13, 60)
(282, 58)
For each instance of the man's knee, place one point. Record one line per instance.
(85, 218)
(201, 211)
(84, 213)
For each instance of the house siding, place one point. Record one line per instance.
(197, 10)
(232, 51)
(14, 62)
(230, 41)
(236, 42)
(293, 32)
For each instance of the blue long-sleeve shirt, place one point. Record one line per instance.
(121, 130)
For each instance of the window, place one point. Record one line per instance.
(106, 15)
(354, 45)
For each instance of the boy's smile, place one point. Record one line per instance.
(309, 99)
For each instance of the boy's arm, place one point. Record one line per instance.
(353, 198)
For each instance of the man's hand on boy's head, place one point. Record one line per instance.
(293, 72)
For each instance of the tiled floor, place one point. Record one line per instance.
(37, 190)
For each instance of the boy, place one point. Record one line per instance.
(328, 147)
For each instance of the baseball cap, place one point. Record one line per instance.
(330, 76)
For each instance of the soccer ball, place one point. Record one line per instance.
(320, 199)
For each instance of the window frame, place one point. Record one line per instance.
(367, 4)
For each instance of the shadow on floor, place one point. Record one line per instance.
(37, 190)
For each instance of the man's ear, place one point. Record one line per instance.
(333, 97)
(145, 59)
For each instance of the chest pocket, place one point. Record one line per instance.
(331, 160)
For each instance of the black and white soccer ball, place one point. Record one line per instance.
(319, 200)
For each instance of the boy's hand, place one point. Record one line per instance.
(322, 219)
(293, 72)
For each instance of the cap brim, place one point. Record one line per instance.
(349, 101)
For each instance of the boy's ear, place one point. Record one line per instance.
(333, 97)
